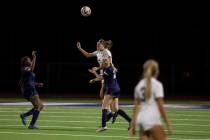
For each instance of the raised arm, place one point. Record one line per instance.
(85, 53)
(33, 62)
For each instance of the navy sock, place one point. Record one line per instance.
(28, 113)
(35, 117)
(124, 115)
(109, 116)
(104, 115)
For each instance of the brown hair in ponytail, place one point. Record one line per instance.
(107, 44)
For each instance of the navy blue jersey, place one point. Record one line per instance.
(110, 81)
(27, 78)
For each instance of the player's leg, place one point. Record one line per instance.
(38, 106)
(120, 112)
(109, 111)
(144, 135)
(158, 133)
(23, 116)
(115, 108)
(106, 103)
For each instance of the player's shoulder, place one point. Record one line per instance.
(156, 82)
(107, 51)
(140, 84)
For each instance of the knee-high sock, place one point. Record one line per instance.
(104, 115)
(35, 117)
(124, 115)
(109, 116)
(28, 113)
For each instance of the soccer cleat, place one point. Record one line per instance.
(32, 127)
(101, 129)
(23, 119)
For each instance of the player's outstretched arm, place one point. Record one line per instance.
(33, 60)
(85, 53)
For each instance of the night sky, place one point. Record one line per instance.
(172, 33)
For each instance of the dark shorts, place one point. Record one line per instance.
(113, 93)
(29, 93)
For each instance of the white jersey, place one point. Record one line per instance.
(149, 114)
(102, 54)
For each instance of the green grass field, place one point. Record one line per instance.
(80, 123)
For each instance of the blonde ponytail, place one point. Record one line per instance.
(109, 44)
(148, 90)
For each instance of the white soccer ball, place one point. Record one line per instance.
(85, 11)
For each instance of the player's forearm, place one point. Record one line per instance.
(99, 77)
(135, 112)
(86, 54)
(160, 103)
(33, 63)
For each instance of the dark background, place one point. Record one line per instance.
(172, 33)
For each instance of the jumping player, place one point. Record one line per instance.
(102, 51)
(111, 92)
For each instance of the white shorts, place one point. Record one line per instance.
(148, 121)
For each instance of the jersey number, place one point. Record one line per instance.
(143, 94)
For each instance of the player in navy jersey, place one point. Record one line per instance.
(28, 89)
(103, 50)
(111, 92)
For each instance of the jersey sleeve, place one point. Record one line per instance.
(136, 93)
(159, 93)
(109, 54)
(95, 53)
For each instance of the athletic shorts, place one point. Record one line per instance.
(114, 94)
(148, 121)
(28, 93)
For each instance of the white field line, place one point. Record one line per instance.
(70, 135)
(65, 127)
(41, 120)
(77, 109)
(59, 121)
(96, 117)
(93, 136)
(95, 113)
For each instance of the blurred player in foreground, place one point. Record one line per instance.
(148, 105)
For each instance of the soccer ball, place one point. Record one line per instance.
(85, 11)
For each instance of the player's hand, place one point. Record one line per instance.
(91, 71)
(40, 84)
(34, 53)
(92, 81)
(78, 45)
(131, 132)
(95, 68)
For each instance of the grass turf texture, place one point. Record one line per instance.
(80, 123)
